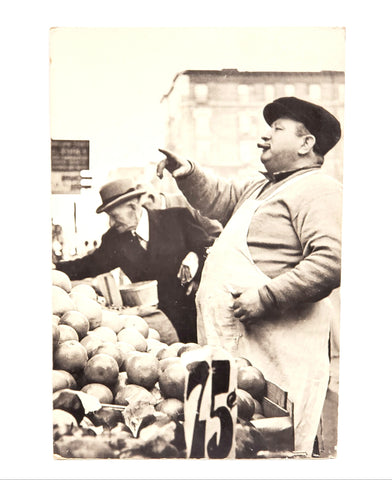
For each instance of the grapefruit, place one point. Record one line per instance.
(63, 419)
(105, 333)
(142, 370)
(91, 343)
(252, 380)
(59, 381)
(172, 381)
(112, 320)
(172, 407)
(153, 333)
(154, 346)
(67, 333)
(133, 394)
(101, 368)
(55, 335)
(113, 350)
(134, 337)
(90, 308)
(165, 362)
(84, 289)
(242, 362)
(61, 301)
(70, 356)
(100, 391)
(71, 382)
(138, 322)
(188, 347)
(245, 404)
(61, 279)
(170, 351)
(76, 320)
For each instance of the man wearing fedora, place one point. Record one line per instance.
(264, 287)
(163, 245)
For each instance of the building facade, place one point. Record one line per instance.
(215, 116)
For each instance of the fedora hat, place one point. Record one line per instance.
(118, 191)
(320, 123)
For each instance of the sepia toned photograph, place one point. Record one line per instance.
(196, 211)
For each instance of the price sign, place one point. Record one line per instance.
(210, 409)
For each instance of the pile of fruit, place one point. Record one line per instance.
(118, 390)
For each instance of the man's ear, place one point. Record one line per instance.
(308, 142)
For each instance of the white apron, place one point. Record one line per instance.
(291, 349)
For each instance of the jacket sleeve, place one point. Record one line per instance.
(318, 226)
(213, 196)
(102, 260)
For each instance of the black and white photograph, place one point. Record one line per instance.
(196, 184)
(196, 216)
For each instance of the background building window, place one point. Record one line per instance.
(247, 151)
(314, 91)
(243, 93)
(269, 93)
(289, 90)
(202, 121)
(245, 123)
(201, 92)
(203, 148)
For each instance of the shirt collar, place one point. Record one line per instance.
(142, 229)
(277, 176)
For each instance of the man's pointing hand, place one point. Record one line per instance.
(177, 166)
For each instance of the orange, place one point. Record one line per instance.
(59, 381)
(100, 391)
(101, 368)
(121, 381)
(172, 381)
(112, 319)
(105, 333)
(129, 394)
(113, 350)
(154, 346)
(245, 404)
(61, 301)
(76, 320)
(55, 335)
(84, 289)
(242, 362)
(70, 356)
(67, 333)
(138, 322)
(252, 380)
(165, 362)
(134, 337)
(61, 279)
(91, 342)
(187, 347)
(153, 333)
(63, 419)
(170, 351)
(55, 319)
(90, 308)
(172, 407)
(142, 370)
(71, 382)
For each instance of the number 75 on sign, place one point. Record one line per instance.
(210, 407)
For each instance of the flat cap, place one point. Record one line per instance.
(320, 123)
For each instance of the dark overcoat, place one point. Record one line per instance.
(173, 234)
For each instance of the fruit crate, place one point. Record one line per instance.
(277, 423)
(276, 426)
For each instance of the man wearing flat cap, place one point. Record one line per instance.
(163, 245)
(264, 287)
